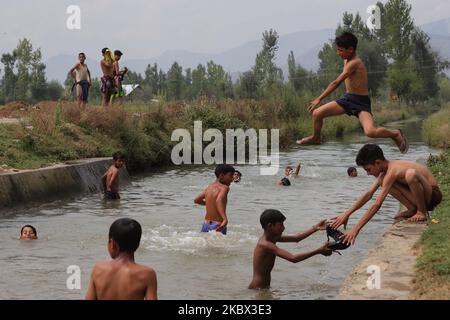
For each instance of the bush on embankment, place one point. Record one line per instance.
(436, 129)
(52, 132)
(432, 280)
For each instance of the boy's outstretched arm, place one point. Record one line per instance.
(200, 199)
(322, 225)
(349, 68)
(350, 237)
(70, 73)
(297, 170)
(221, 203)
(152, 286)
(343, 218)
(300, 256)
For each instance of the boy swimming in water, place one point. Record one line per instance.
(110, 180)
(272, 221)
(288, 174)
(237, 176)
(214, 198)
(355, 102)
(122, 278)
(409, 182)
(28, 232)
(352, 172)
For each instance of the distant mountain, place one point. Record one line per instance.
(305, 45)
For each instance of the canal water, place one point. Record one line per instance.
(192, 265)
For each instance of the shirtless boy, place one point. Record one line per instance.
(122, 278)
(266, 249)
(107, 80)
(82, 76)
(289, 174)
(110, 179)
(355, 102)
(409, 182)
(214, 198)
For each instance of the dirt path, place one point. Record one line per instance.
(396, 257)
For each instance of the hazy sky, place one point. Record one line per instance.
(146, 28)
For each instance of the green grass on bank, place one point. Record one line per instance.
(60, 132)
(432, 280)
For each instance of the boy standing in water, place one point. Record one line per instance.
(409, 182)
(289, 173)
(82, 76)
(215, 197)
(122, 278)
(355, 102)
(272, 221)
(110, 180)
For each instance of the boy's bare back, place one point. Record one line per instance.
(122, 280)
(397, 170)
(215, 196)
(356, 82)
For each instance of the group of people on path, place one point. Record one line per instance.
(111, 80)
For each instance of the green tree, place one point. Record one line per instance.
(38, 83)
(199, 81)
(175, 82)
(9, 79)
(23, 52)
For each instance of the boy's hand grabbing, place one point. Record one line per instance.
(322, 225)
(325, 251)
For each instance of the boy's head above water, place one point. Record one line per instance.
(346, 45)
(272, 221)
(28, 232)
(288, 171)
(372, 159)
(352, 172)
(124, 237)
(118, 159)
(237, 176)
(225, 173)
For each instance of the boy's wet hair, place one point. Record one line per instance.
(126, 233)
(28, 226)
(350, 170)
(347, 40)
(288, 168)
(369, 154)
(118, 156)
(271, 216)
(118, 53)
(223, 168)
(104, 50)
(82, 53)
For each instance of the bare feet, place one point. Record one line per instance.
(401, 142)
(308, 141)
(418, 217)
(405, 214)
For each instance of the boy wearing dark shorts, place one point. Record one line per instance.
(355, 102)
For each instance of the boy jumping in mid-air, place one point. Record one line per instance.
(355, 102)
(122, 278)
(266, 249)
(110, 180)
(215, 197)
(409, 182)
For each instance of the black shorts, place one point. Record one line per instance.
(109, 195)
(353, 104)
